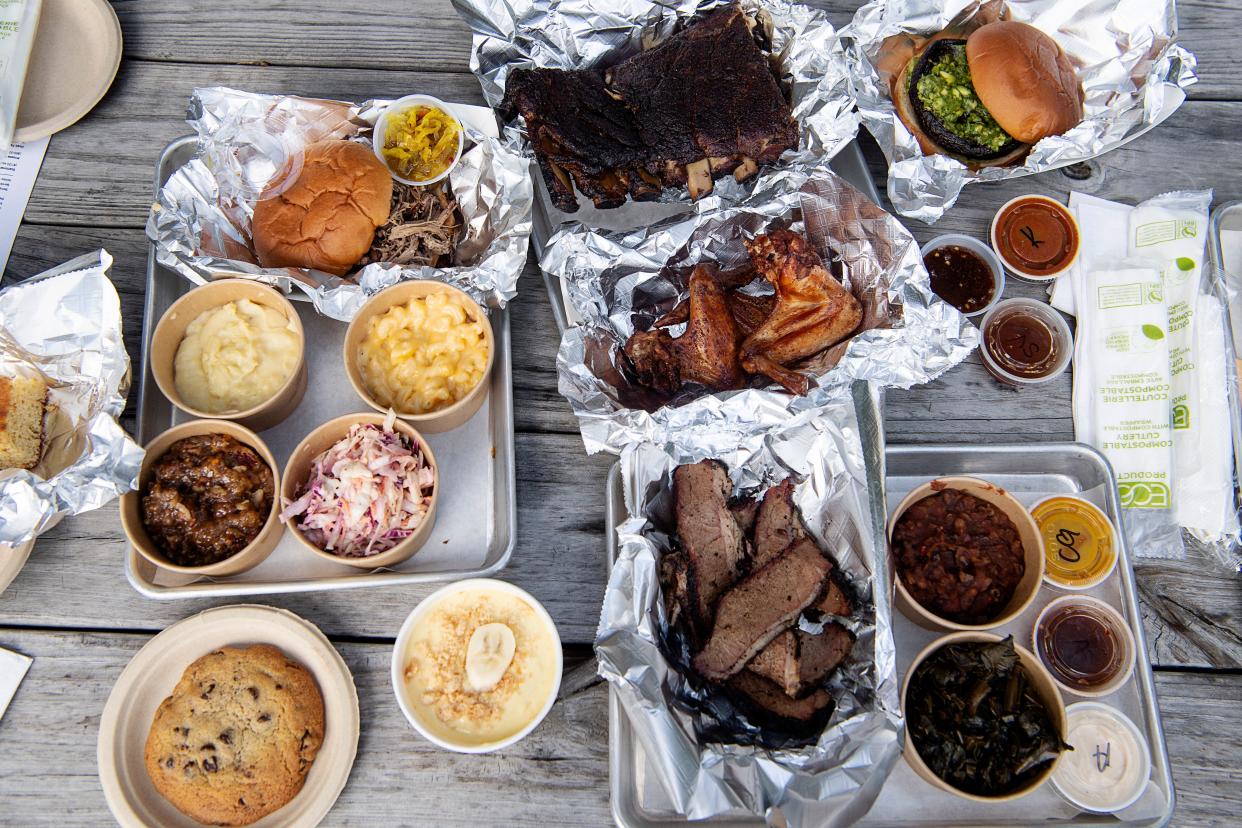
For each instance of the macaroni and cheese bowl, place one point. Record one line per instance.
(423, 349)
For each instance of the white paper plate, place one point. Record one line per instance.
(151, 675)
(77, 50)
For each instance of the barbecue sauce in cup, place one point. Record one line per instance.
(1084, 644)
(960, 277)
(1037, 237)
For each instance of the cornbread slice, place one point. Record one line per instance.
(22, 401)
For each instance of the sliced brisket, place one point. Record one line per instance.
(759, 695)
(800, 661)
(711, 537)
(777, 524)
(760, 607)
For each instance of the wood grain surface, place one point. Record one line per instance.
(72, 609)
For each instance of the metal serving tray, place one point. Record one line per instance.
(849, 163)
(474, 532)
(1030, 472)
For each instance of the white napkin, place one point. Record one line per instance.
(1104, 226)
(13, 667)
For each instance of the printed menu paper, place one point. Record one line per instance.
(19, 167)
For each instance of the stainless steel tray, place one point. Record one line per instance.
(1029, 472)
(474, 532)
(848, 163)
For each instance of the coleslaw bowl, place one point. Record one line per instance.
(298, 469)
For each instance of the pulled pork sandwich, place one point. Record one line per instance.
(986, 99)
(327, 218)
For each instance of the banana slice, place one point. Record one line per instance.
(488, 655)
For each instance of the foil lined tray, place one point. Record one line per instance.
(849, 163)
(1029, 472)
(474, 533)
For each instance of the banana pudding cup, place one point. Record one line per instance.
(477, 666)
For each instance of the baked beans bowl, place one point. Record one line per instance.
(245, 558)
(298, 470)
(1028, 533)
(1040, 681)
(170, 332)
(421, 340)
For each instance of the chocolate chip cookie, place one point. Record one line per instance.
(237, 737)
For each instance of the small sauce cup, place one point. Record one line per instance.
(1025, 342)
(1036, 237)
(984, 254)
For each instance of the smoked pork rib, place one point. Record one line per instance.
(702, 104)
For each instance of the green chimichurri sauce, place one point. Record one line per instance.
(947, 92)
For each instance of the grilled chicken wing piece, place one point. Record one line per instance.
(706, 353)
(813, 310)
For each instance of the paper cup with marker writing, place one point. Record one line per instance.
(1080, 542)
(1110, 765)
(1036, 237)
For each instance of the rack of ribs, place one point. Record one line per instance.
(702, 104)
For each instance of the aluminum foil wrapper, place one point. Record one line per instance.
(835, 455)
(201, 221)
(1132, 73)
(579, 34)
(619, 280)
(87, 458)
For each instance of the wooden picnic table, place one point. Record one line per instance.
(73, 611)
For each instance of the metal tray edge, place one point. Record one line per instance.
(502, 379)
(619, 800)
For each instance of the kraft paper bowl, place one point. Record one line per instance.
(170, 330)
(443, 419)
(418, 719)
(249, 556)
(297, 470)
(1032, 548)
(1044, 688)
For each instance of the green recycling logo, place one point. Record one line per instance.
(1181, 416)
(1144, 494)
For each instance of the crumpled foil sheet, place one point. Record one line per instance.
(836, 457)
(578, 34)
(201, 221)
(88, 459)
(1134, 78)
(910, 335)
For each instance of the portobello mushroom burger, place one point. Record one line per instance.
(986, 99)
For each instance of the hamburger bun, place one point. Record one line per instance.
(1019, 74)
(327, 218)
(1025, 80)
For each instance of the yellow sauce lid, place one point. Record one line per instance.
(1080, 546)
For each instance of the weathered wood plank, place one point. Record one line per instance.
(380, 34)
(98, 172)
(48, 772)
(559, 775)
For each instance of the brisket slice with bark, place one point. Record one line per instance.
(799, 661)
(777, 525)
(765, 700)
(759, 607)
(713, 541)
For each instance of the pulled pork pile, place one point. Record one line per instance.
(422, 227)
